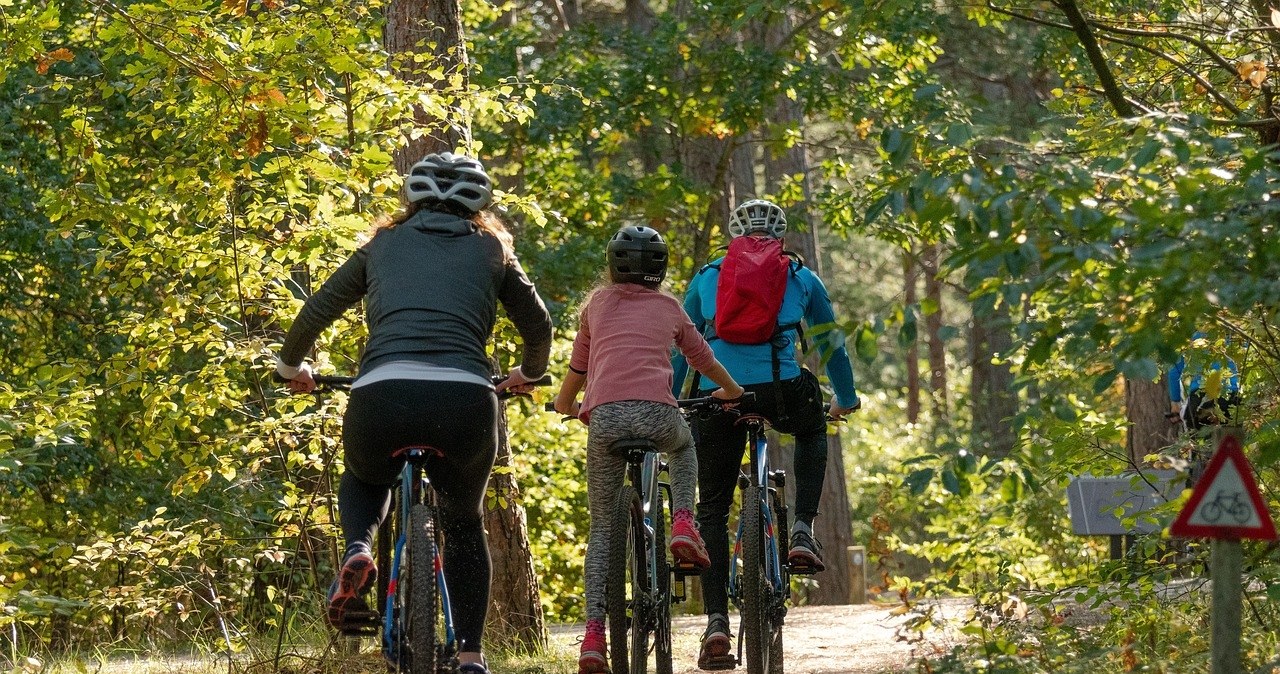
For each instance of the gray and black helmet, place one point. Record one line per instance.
(757, 215)
(450, 178)
(637, 254)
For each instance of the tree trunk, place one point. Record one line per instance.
(910, 297)
(1146, 403)
(933, 327)
(991, 385)
(515, 610)
(438, 25)
(834, 528)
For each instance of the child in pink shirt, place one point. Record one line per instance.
(623, 356)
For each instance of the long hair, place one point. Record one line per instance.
(486, 221)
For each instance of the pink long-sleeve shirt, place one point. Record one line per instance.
(624, 345)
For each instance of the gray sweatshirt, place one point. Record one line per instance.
(433, 284)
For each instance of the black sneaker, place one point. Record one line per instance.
(356, 576)
(472, 668)
(717, 646)
(804, 558)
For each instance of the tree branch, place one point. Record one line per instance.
(1097, 59)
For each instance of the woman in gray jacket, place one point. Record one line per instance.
(431, 279)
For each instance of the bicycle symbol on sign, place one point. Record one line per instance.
(1228, 504)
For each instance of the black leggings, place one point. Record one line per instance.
(721, 445)
(457, 418)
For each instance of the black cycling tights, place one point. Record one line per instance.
(457, 418)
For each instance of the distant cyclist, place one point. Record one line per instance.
(431, 278)
(622, 355)
(1203, 389)
(751, 305)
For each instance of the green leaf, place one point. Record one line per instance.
(918, 480)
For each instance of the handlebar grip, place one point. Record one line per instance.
(546, 380)
(320, 379)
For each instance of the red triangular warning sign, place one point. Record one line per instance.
(1226, 502)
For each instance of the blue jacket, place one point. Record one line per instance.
(1230, 384)
(806, 299)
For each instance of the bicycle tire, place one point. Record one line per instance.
(775, 650)
(662, 611)
(756, 598)
(638, 581)
(616, 604)
(420, 579)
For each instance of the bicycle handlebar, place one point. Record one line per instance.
(339, 382)
(704, 403)
(712, 401)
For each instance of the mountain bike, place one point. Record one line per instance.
(416, 621)
(639, 588)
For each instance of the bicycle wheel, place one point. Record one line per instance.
(419, 577)
(621, 592)
(757, 599)
(661, 611)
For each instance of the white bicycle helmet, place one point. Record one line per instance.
(757, 215)
(449, 178)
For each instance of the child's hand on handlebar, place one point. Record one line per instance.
(568, 406)
(516, 382)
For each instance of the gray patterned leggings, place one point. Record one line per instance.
(611, 422)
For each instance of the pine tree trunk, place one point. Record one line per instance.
(515, 616)
(834, 527)
(439, 24)
(991, 386)
(1146, 403)
(515, 609)
(933, 328)
(910, 297)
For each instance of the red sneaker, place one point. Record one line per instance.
(354, 579)
(593, 660)
(687, 547)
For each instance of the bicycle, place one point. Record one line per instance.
(761, 545)
(640, 588)
(416, 621)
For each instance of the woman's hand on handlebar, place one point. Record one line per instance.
(727, 394)
(299, 379)
(838, 413)
(516, 382)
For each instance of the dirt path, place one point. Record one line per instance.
(862, 639)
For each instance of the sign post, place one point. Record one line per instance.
(1225, 505)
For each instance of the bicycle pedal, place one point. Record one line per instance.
(719, 664)
(361, 623)
(803, 569)
(686, 569)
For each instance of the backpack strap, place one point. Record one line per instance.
(775, 349)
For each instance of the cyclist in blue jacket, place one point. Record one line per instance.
(792, 402)
(1188, 388)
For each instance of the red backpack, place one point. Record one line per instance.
(753, 281)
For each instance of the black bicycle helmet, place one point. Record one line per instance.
(637, 254)
(450, 178)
